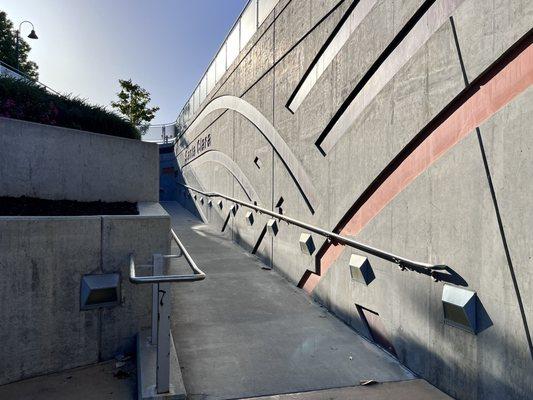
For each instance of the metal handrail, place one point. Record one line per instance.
(330, 236)
(25, 75)
(197, 275)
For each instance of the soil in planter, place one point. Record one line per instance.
(29, 206)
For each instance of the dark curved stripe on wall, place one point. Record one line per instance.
(505, 79)
(402, 34)
(335, 41)
(263, 125)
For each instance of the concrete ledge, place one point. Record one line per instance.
(58, 163)
(146, 370)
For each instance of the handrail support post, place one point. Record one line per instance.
(157, 270)
(163, 329)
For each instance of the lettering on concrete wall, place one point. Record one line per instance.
(201, 145)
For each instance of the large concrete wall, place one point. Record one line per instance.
(43, 260)
(407, 172)
(57, 163)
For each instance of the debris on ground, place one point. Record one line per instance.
(368, 382)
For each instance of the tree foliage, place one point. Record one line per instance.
(8, 52)
(133, 103)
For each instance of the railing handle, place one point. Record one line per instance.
(197, 274)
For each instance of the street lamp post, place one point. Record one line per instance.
(32, 35)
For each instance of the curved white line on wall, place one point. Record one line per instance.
(354, 15)
(295, 169)
(221, 158)
(428, 24)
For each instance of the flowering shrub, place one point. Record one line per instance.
(25, 100)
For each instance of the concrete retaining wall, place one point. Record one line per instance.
(43, 261)
(467, 206)
(58, 163)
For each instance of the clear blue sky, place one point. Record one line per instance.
(85, 46)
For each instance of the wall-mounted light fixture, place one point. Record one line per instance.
(101, 290)
(234, 209)
(210, 203)
(307, 245)
(361, 270)
(220, 204)
(459, 306)
(249, 218)
(272, 227)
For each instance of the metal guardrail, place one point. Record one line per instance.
(240, 33)
(160, 335)
(23, 75)
(250, 19)
(252, 16)
(334, 238)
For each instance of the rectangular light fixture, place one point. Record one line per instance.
(100, 290)
(459, 307)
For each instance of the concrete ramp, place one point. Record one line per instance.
(246, 331)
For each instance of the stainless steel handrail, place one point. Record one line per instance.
(198, 274)
(161, 308)
(331, 236)
(25, 75)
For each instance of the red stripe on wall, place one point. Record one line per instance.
(501, 83)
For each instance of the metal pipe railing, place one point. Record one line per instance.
(330, 236)
(26, 76)
(197, 275)
(160, 336)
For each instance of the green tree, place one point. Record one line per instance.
(133, 104)
(8, 52)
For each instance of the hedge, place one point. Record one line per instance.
(25, 100)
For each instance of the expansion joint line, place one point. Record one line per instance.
(495, 201)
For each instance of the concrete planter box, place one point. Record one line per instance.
(43, 261)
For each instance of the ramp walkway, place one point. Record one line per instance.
(247, 332)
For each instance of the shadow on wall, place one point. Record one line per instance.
(456, 379)
(441, 273)
(453, 376)
(184, 197)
